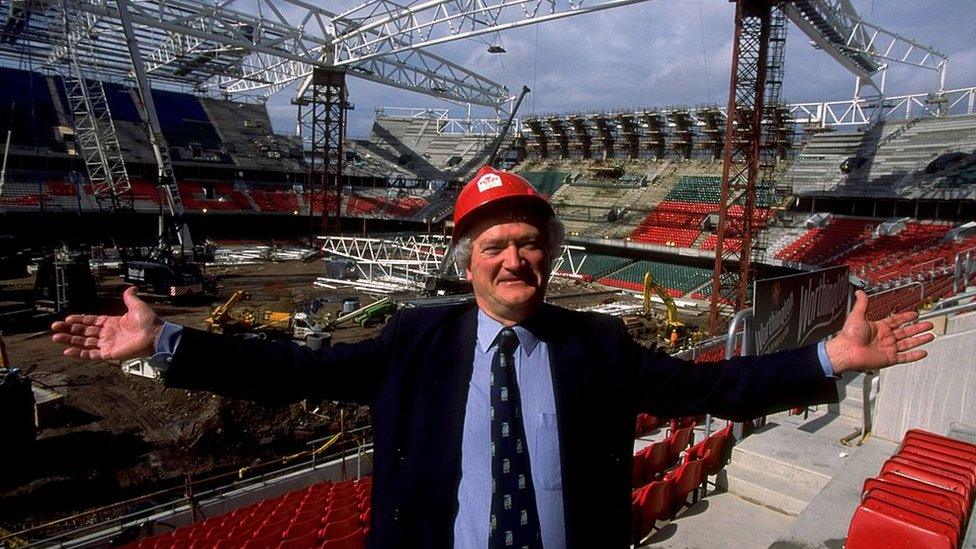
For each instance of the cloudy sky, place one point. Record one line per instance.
(666, 52)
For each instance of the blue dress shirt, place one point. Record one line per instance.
(541, 431)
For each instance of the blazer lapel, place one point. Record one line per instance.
(445, 396)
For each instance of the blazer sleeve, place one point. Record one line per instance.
(279, 372)
(740, 388)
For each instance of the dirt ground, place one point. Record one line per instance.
(119, 436)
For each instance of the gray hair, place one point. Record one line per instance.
(555, 230)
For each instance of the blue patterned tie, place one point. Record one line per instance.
(514, 517)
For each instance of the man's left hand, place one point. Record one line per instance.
(866, 345)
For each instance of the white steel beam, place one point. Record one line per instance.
(380, 27)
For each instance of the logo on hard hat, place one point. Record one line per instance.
(489, 181)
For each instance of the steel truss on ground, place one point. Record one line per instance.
(388, 264)
(405, 262)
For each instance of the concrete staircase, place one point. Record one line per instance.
(788, 461)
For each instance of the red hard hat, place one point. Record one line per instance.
(490, 186)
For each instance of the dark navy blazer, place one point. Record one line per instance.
(415, 377)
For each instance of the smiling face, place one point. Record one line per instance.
(509, 268)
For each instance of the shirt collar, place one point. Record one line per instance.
(488, 329)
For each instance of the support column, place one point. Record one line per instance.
(740, 162)
(322, 118)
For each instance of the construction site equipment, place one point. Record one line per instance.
(668, 329)
(220, 314)
(296, 326)
(17, 425)
(175, 278)
(493, 155)
(367, 314)
(63, 282)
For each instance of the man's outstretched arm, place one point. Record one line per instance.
(104, 337)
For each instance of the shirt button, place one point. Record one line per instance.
(396, 513)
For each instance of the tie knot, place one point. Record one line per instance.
(507, 341)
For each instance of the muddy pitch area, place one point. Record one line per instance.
(119, 436)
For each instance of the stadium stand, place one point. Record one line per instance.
(677, 220)
(595, 266)
(327, 515)
(415, 148)
(820, 244)
(27, 108)
(246, 135)
(678, 279)
(546, 182)
(888, 159)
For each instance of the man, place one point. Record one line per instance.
(510, 423)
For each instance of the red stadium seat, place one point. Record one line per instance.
(901, 480)
(687, 477)
(718, 449)
(271, 539)
(300, 529)
(932, 438)
(649, 462)
(921, 491)
(646, 423)
(876, 521)
(651, 503)
(355, 540)
(336, 514)
(310, 539)
(934, 476)
(917, 506)
(335, 530)
(677, 442)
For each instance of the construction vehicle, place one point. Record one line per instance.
(294, 325)
(221, 314)
(267, 323)
(669, 329)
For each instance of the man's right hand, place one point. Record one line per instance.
(94, 337)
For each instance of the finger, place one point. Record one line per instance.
(898, 319)
(82, 319)
(902, 358)
(81, 329)
(131, 299)
(62, 338)
(913, 342)
(86, 342)
(59, 326)
(913, 329)
(92, 354)
(860, 307)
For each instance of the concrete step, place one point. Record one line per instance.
(771, 492)
(782, 465)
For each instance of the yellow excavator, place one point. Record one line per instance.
(220, 316)
(675, 331)
(647, 324)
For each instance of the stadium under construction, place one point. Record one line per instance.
(138, 149)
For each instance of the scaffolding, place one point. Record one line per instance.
(322, 108)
